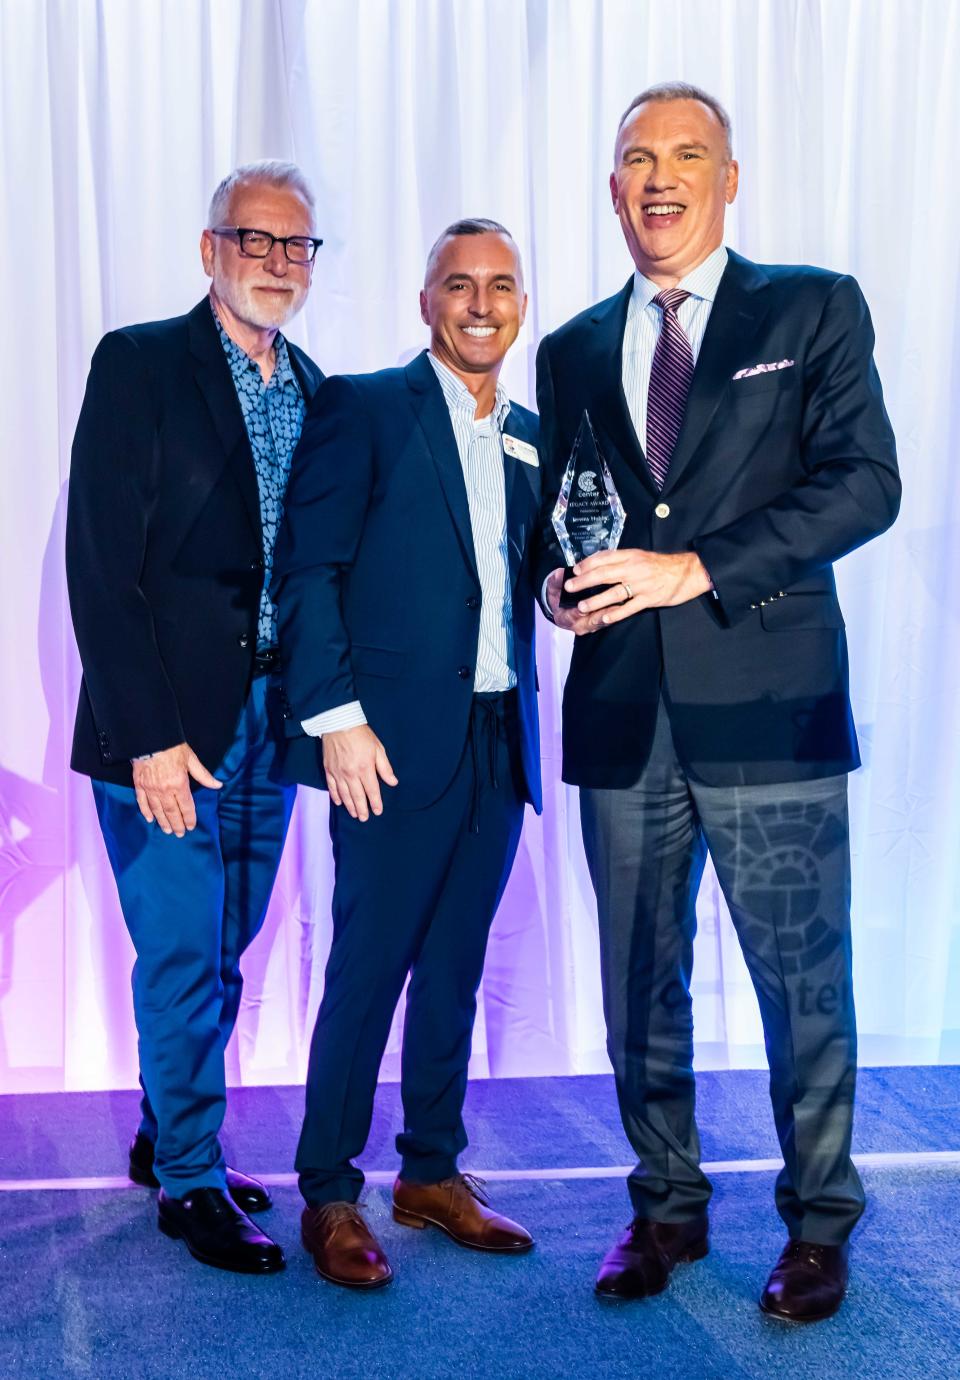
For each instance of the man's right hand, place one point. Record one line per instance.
(162, 784)
(355, 762)
(571, 620)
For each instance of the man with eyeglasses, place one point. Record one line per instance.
(179, 470)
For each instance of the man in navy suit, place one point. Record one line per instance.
(403, 579)
(179, 465)
(707, 704)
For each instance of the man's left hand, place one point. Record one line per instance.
(637, 580)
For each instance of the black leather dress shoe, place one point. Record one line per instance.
(217, 1232)
(248, 1194)
(807, 1283)
(639, 1264)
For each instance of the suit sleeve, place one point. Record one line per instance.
(324, 512)
(547, 556)
(113, 483)
(850, 491)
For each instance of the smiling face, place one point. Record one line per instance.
(672, 181)
(260, 293)
(473, 301)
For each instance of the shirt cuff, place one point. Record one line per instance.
(332, 720)
(544, 606)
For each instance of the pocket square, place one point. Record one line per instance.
(763, 369)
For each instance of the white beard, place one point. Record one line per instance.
(256, 309)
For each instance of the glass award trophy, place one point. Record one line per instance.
(588, 515)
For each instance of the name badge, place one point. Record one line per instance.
(521, 450)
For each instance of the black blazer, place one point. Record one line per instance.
(774, 477)
(164, 545)
(376, 580)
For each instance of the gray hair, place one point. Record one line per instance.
(274, 172)
(681, 91)
(471, 225)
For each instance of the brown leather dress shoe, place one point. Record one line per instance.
(641, 1261)
(459, 1207)
(807, 1283)
(343, 1247)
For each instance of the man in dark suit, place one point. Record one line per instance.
(406, 620)
(180, 461)
(707, 707)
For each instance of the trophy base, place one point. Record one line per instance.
(570, 601)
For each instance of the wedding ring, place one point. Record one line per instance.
(628, 589)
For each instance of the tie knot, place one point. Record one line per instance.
(670, 299)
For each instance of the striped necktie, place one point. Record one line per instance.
(670, 375)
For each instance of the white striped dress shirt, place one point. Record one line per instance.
(480, 447)
(643, 329)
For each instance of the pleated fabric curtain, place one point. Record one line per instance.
(117, 118)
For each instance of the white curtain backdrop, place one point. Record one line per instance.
(117, 118)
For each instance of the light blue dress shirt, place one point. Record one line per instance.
(643, 329)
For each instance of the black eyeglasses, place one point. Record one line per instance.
(258, 244)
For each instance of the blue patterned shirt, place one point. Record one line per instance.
(273, 415)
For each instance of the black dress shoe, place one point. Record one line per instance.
(217, 1232)
(641, 1261)
(248, 1194)
(808, 1282)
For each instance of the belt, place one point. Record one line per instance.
(266, 662)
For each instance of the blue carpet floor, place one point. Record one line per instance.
(88, 1287)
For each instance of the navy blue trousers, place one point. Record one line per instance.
(192, 906)
(415, 893)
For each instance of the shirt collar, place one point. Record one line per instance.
(458, 395)
(239, 359)
(701, 281)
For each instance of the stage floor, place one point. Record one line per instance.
(89, 1287)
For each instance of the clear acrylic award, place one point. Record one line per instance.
(588, 515)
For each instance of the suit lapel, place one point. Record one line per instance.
(737, 315)
(522, 492)
(212, 373)
(603, 372)
(308, 375)
(431, 410)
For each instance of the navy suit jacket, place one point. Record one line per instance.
(774, 477)
(164, 545)
(376, 579)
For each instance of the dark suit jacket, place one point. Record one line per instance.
(773, 479)
(376, 579)
(164, 545)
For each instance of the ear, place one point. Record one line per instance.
(523, 309)
(733, 180)
(614, 193)
(424, 309)
(207, 252)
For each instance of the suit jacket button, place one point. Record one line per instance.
(243, 640)
(464, 672)
(256, 565)
(473, 602)
(662, 510)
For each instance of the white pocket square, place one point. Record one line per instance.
(763, 369)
